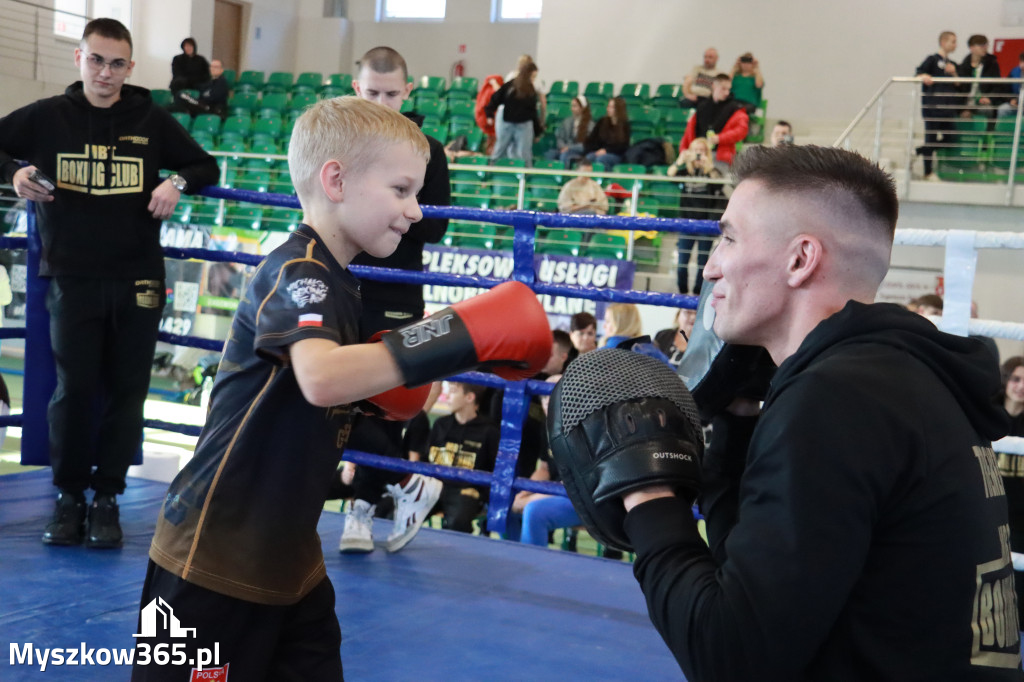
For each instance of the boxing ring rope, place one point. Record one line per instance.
(961, 254)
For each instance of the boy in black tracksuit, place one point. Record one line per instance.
(468, 440)
(939, 100)
(103, 144)
(857, 529)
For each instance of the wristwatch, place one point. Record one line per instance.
(179, 182)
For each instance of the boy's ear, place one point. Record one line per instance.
(332, 179)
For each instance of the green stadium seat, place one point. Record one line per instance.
(341, 82)
(459, 126)
(269, 126)
(230, 75)
(330, 92)
(280, 219)
(475, 236)
(648, 205)
(237, 124)
(243, 103)
(541, 204)
(474, 139)
(279, 81)
(462, 108)
(563, 92)
(505, 186)
(635, 91)
(668, 93)
(435, 84)
(253, 180)
(431, 107)
(438, 132)
(605, 90)
(300, 102)
(253, 79)
(245, 217)
(209, 123)
(274, 104)
(604, 245)
(162, 98)
(461, 88)
(559, 241)
(309, 81)
(204, 212)
(183, 118)
(204, 140)
(476, 197)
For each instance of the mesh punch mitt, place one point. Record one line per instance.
(619, 421)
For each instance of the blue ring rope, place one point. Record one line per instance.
(502, 482)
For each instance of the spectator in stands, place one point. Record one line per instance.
(189, 70)
(939, 100)
(720, 119)
(1011, 467)
(698, 201)
(582, 194)
(465, 439)
(672, 341)
(747, 82)
(697, 83)
(929, 305)
(383, 79)
(562, 353)
(609, 140)
(583, 332)
(572, 132)
(521, 123)
(1009, 108)
(538, 83)
(782, 134)
(621, 323)
(213, 97)
(982, 98)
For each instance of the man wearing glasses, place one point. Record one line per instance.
(94, 155)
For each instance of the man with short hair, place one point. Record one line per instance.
(582, 194)
(720, 119)
(782, 134)
(856, 522)
(697, 83)
(384, 78)
(103, 144)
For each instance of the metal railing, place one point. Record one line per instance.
(972, 140)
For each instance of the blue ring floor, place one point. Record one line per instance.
(449, 607)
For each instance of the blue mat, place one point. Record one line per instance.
(449, 607)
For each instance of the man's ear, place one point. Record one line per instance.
(332, 179)
(408, 90)
(357, 88)
(805, 258)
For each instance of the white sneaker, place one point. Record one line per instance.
(412, 504)
(358, 533)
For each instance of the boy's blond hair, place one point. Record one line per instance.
(350, 130)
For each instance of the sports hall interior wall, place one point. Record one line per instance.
(822, 61)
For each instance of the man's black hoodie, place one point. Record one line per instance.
(106, 164)
(857, 529)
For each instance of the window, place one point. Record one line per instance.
(429, 10)
(516, 10)
(70, 16)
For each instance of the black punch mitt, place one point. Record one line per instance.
(619, 421)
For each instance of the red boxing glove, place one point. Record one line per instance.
(399, 404)
(504, 330)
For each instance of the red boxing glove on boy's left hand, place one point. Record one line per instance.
(504, 330)
(398, 404)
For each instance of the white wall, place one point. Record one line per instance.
(158, 27)
(821, 60)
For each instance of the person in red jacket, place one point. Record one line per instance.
(721, 119)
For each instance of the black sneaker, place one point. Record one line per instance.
(68, 524)
(104, 523)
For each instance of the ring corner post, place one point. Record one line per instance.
(40, 371)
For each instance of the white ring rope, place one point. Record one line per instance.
(982, 240)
